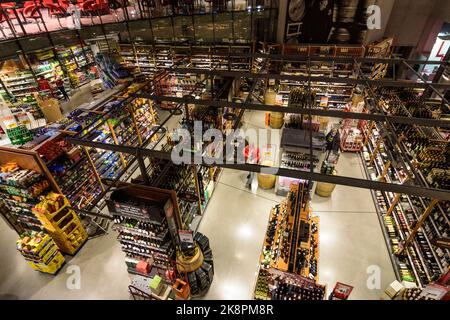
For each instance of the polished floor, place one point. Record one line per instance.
(351, 245)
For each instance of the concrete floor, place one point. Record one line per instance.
(235, 221)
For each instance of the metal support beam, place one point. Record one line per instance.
(430, 86)
(142, 168)
(317, 112)
(347, 181)
(277, 76)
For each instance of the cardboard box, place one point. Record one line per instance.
(50, 108)
(394, 289)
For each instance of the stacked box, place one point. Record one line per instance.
(19, 135)
(61, 222)
(41, 252)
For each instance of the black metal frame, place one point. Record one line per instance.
(422, 191)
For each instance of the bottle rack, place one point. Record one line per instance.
(275, 284)
(41, 252)
(146, 227)
(332, 96)
(61, 222)
(295, 154)
(421, 262)
(291, 242)
(139, 58)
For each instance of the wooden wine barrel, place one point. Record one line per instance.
(325, 189)
(266, 181)
(276, 120)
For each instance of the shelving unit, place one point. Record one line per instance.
(421, 262)
(295, 154)
(19, 85)
(77, 60)
(290, 246)
(17, 200)
(146, 220)
(61, 222)
(41, 252)
(290, 225)
(48, 66)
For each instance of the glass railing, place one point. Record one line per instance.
(163, 19)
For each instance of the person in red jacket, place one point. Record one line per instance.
(44, 85)
(60, 85)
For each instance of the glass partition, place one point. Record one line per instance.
(183, 28)
(204, 28)
(180, 20)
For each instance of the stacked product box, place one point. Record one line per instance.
(61, 222)
(41, 252)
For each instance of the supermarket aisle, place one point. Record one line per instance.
(350, 236)
(235, 222)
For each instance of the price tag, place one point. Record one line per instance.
(324, 102)
(186, 236)
(279, 99)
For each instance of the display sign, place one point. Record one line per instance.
(434, 291)
(342, 291)
(141, 211)
(324, 101)
(279, 99)
(186, 236)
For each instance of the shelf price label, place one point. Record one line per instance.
(324, 102)
(186, 236)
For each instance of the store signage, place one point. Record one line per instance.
(434, 291)
(189, 196)
(143, 211)
(186, 236)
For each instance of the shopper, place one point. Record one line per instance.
(60, 85)
(333, 141)
(44, 85)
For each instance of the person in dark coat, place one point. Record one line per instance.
(333, 141)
